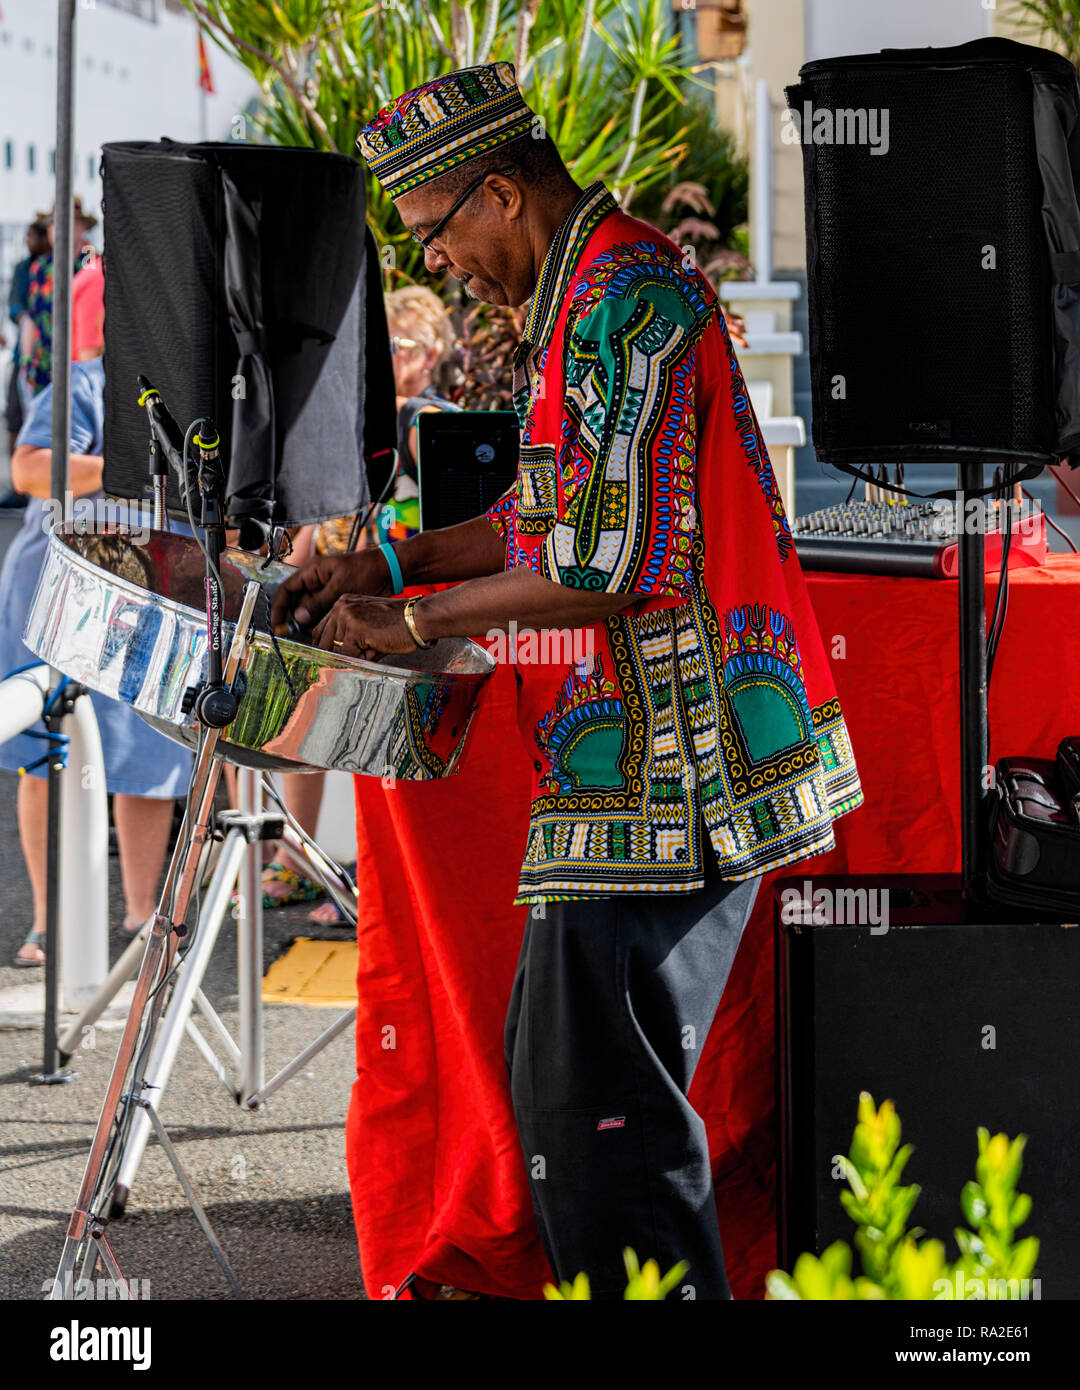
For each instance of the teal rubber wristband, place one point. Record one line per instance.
(394, 565)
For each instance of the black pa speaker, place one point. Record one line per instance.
(243, 283)
(943, 253)
(962, 1014)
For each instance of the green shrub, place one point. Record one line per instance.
(645, 1282)
(896, 1264)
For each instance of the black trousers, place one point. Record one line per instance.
(612, 1003)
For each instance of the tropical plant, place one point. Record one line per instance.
(702, 198)
(600, 75)
(896, 1264)
(644, 1282)
(605, 77)
(1056, 19)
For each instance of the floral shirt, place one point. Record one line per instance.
(38, 355)
(707, 709)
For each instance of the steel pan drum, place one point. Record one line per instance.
(125, 615)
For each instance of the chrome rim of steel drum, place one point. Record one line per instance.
(124, 614)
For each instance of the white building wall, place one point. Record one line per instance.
(135, 79)
(836, 27)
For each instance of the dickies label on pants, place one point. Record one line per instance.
(613, 1122)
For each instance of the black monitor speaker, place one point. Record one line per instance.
(943, 253)
(961, 1013)
(243, 283)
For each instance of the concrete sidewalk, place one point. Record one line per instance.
(274, 1182)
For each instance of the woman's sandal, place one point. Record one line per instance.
(33, 938)
(328, 914)
(299, 889)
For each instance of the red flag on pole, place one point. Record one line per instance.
(206, 82)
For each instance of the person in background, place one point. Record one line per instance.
(37, 244)
(88, 308)
(35, 342)
(421, 337)
(144, 771)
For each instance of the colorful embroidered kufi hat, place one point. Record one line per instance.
(428, 131)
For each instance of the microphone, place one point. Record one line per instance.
(164, 428)
(254, 533)
(208, 443)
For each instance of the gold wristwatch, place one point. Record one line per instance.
(410, 622)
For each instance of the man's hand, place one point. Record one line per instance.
(313, 590)
(365, 627)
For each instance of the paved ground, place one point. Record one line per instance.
(274, 1182)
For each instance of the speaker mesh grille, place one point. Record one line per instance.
(162, 276)
(928, 274)
(236, 283)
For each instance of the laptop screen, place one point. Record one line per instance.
(465, 461)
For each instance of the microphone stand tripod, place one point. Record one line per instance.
(86, 1227)
(215, 707)
(113, 1161)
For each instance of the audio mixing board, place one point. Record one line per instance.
(914, 538)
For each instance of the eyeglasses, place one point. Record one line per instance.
(397, 343)
(425, 241)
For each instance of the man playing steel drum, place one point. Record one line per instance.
(699, 742)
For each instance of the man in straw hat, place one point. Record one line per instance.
(700, 742)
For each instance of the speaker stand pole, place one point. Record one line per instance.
(974, 714)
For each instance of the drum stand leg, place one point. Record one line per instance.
(156, 966)
(152, 1080)
(192, 1195)
(239, 864)
(249, 946)
(117, 977)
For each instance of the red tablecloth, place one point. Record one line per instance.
(438, 1181)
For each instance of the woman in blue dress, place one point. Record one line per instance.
(144, 771)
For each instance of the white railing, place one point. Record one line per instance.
(84, 834)
(763, 183)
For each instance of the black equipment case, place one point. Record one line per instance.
(1034, 855)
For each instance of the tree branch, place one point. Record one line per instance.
(436, 29)
(525, 20)
(635, 132)
(237, 42)
(487, 33)
(586, 31)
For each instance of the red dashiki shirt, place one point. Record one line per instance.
(642, 470)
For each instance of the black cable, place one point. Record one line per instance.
(1001, 601)
(1029, 470)
(1062, 483)
(265, 597)
(1066, 538)
(359, 524)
